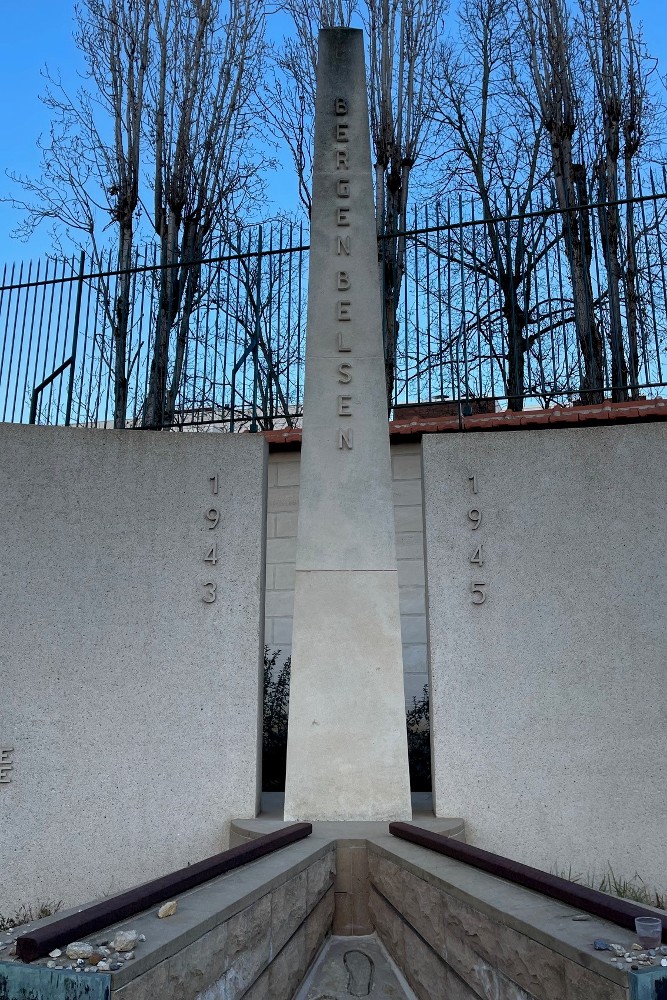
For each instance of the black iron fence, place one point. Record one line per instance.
(545, 307)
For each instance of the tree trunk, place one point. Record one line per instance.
(610, 235)
(516, 344)
(630, 281)
(191, 283)
(120, 323)
(570, 188)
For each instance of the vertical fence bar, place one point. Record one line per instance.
(75, 338)
(28, 356)
(300, 324)
(452, 375)
(258, 320)
(6, 300)
(662, 267)
(226, 346)
(428, 309)
(84, 356)
(288, 336)
(113, 347)
(41, 324)
(650, 284)
(21, 342)
(11, 352)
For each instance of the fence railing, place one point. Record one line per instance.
(525, 310)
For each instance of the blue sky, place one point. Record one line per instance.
(39, 32)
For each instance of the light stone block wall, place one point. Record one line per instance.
(262, 952)
(129, 704)
(549, 700)
(281, 527)
(478, 936)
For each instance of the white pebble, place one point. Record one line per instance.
(56, 953)
(124, 941)
(79, 949)
(663, 963)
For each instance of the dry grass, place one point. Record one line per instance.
(634, 889)
(27, 914)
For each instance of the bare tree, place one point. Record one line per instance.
(158, 141)
(289, 108)
(490, 136)
(91, 161)
(200, 124)
(553, 57)
(269, 306)
(623, 121)
(401, 38)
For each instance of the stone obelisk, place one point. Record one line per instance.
(347, 746)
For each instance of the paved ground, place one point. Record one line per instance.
(354, 967)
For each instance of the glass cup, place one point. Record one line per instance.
(649, 931)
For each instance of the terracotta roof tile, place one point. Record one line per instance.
(413, 427)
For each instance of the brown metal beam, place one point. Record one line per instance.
(42, 940)
(619, 911)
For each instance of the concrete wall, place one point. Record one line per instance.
(282, 515)
(548, 700)
(129, 705)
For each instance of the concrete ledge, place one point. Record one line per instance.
(446, 923)
(454, 931)
(226, 935)
(271, 819)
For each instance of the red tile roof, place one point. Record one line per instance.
(633, 411)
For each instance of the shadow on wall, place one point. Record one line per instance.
(274, 730)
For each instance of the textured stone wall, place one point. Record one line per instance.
(282, 514)
(262, 952)
(128, 705)
(548, 700)
(465, 948)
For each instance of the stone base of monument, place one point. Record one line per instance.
(348, 905)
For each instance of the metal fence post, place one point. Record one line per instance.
(255, 346)
(75, 337)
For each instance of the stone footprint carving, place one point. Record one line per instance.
(360, 972)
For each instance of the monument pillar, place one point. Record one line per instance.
(347, 746)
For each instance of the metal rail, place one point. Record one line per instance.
(69, 363)
(42, 940)
(42, 385)
(619, 911)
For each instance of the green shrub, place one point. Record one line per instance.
(419, 743)
(274, 727)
